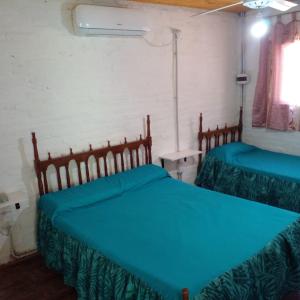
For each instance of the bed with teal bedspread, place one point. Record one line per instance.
(249, 172)
(143, 235)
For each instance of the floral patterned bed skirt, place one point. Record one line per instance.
(229, 179)
(271, 274)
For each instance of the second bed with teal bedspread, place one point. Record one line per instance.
(249, 172)
(143, 235)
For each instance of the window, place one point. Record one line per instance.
(290, 81)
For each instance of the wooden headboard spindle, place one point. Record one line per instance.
(36, 164)
(240, 129)
(217, 136)
(235, 133)
(82, 158)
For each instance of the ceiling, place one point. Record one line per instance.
(202, 4)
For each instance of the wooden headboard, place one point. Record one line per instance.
(219, 136)
(130, 151)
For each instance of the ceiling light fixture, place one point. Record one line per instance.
(256, 4)
(260, 28)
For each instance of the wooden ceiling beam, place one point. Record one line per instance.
(201, 4)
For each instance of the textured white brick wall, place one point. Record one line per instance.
(78, 90)
(288, 142)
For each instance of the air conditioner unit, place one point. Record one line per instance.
(103, 20)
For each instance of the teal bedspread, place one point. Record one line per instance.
(151, 236)
(249, 172)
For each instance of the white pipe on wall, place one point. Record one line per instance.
(175, 33)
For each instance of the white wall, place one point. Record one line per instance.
(78, 90)
(288, 142)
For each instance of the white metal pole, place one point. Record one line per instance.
(243, 44)
(176, 100)
(175, 85)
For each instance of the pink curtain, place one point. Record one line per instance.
(269, 111)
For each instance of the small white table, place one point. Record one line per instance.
(177, 156)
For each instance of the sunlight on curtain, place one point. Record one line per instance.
(290, 81)
(290, 84)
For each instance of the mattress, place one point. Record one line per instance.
(258, 160)
(169, 234)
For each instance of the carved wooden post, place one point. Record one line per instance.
(36, 164)
(149, 139)
(240, 126)
(185, 294)
(200, 138)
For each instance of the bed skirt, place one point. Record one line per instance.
(92, 275)
(271, 274)
(229, 179)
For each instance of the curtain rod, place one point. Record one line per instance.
(242, 14)
(283, 14)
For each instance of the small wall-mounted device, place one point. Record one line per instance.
(242, 79)
(11, 207)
